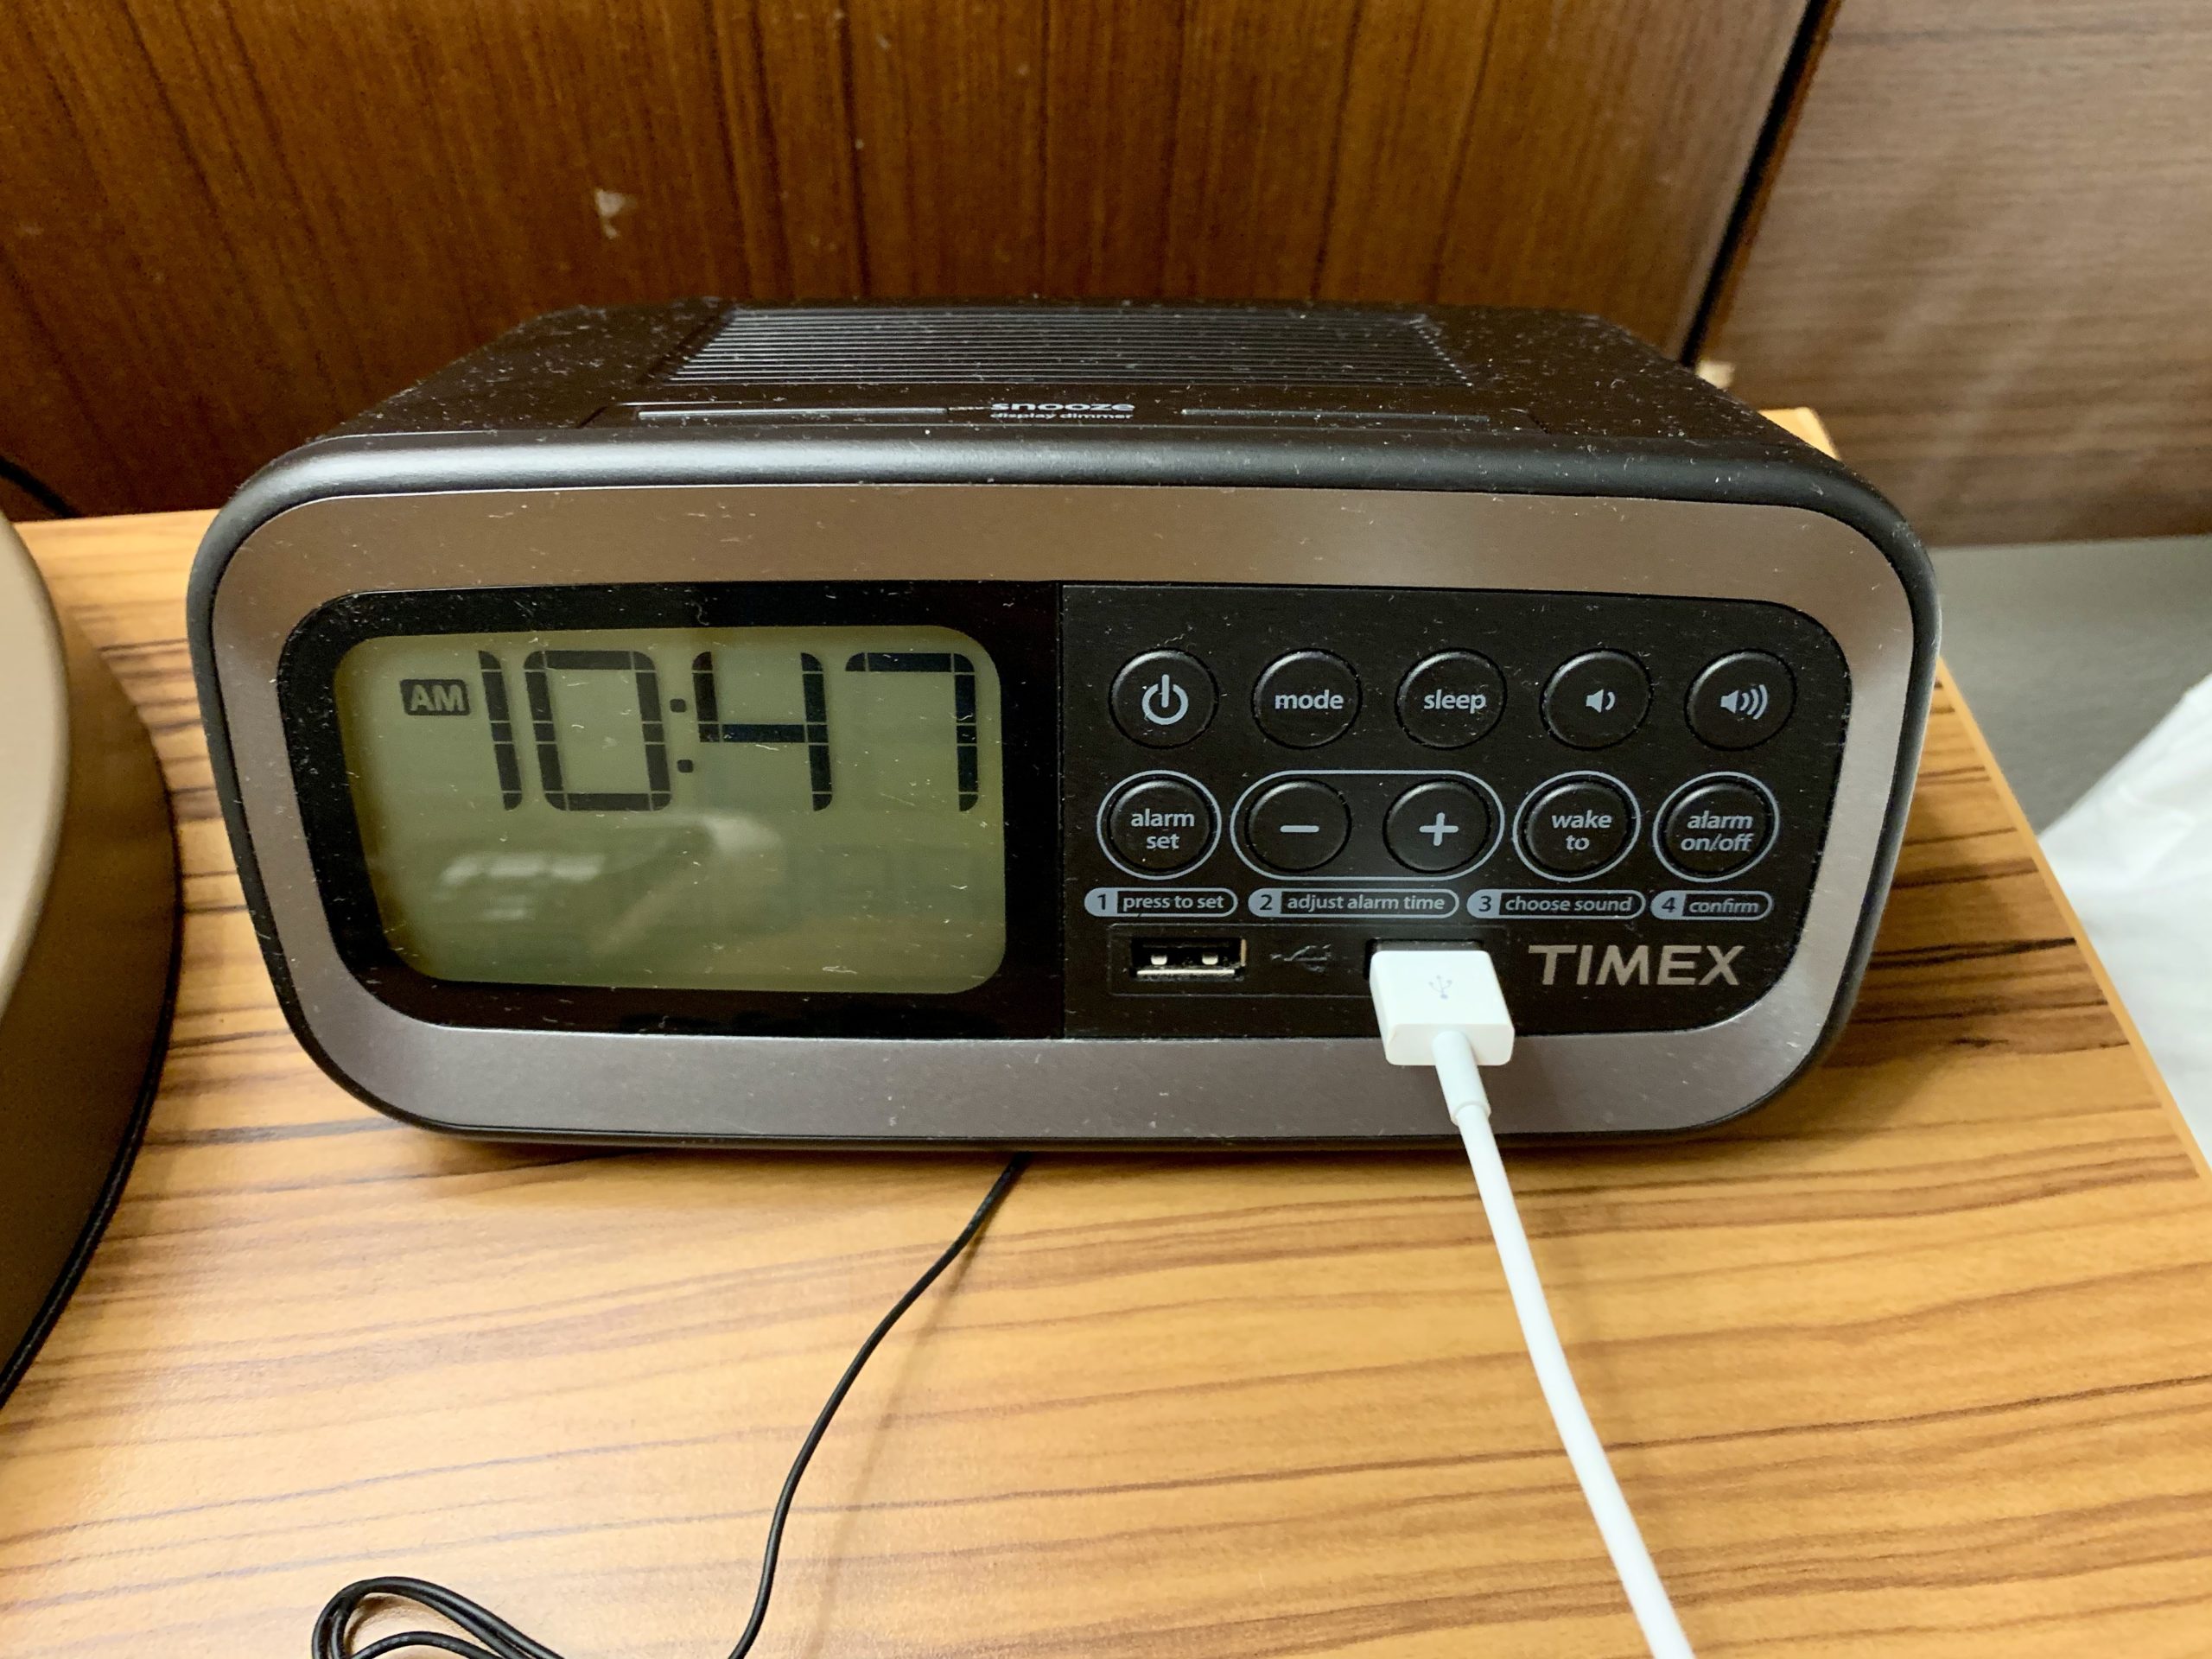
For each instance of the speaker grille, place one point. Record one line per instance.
(1136, 345)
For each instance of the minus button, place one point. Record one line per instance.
(1298, 824)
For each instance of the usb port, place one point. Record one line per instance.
(1187, 959)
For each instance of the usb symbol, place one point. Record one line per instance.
(1158, 699)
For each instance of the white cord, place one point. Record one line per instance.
(1439, 999)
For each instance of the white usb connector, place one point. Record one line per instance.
(1419, 995)
(1444, 1008)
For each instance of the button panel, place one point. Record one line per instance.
(1368, 765)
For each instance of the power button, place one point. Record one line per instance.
(1164, 698)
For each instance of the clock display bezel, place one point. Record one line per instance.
(1015, 622)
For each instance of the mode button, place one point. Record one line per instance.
(1307, 699)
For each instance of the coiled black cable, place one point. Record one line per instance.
(38, 489)
(489, 1636)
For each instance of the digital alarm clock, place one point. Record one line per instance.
(925, 724)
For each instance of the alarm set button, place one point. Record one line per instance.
(1576, 826)
(1452, 699)
(1596, 699)
(1741, 700)
(1437, 827)
(1159, 824)
(1307, 699)
(1297, 826)
(1164, 698)
(1716, 828)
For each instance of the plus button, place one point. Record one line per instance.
(1438, 827)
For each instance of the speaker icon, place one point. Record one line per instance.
(1748, 703)
(1602, 701)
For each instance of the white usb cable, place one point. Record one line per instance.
(1443, 1008)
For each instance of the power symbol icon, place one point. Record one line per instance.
(1163, 699)
(1166, 703)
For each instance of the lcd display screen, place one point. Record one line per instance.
(764, 809)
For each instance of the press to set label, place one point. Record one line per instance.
(1160, 901)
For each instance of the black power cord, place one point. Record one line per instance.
(490, 1637)
(37, 488)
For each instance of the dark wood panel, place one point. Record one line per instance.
(1586, 169)
(231, 223)
(39, 393)
(1256, 110)
(1983, 258)
(948, 99)
(1112, 76)
(1416, 69)
(106, 205)
(791, 125)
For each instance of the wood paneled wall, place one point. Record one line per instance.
(227, 224)
(1984, 258)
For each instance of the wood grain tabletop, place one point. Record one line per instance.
(1915, 1361)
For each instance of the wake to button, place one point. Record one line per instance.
(1159, 825)
(1576, 826)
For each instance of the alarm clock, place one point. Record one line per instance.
(914, 725)
(87, 934)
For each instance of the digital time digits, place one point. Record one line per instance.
(813, 730)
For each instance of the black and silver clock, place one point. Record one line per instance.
(908, 725)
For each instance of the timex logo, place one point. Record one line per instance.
(1669, 964)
